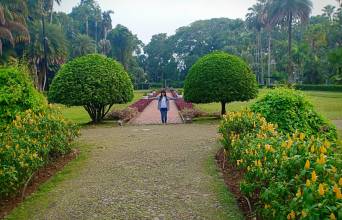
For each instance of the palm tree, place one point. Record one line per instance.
(50, 3)
(254, 21)
(288, 11)
(12, 22)
(82, 45)
(328, 11)
(55, 50)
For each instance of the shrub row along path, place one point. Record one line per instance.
(140, 172)
(151, 114)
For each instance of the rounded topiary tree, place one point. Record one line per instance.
(220, 77)
(94, 82)
(17, 94)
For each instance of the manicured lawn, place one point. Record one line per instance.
(327, 103)
(79, 115)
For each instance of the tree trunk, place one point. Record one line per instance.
(223, 107)
(259, 57)
(51, 12)
(269, 60)
(290, 72)
(87, 27)
(45, 60)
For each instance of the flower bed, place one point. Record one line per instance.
(289, 175)
(141, 104)
(180, 102)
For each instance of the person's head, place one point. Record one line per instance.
(163, 93)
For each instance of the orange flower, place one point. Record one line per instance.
(307, 165)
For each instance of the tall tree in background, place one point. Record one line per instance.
(56, 51)
(288, 11)
(124, 44)
(254, 21)
(13, 26)
(82, 45)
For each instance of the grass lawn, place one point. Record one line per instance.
(328, 104)
(80, 116)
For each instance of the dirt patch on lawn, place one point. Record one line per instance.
(232, 178)
(41, 176)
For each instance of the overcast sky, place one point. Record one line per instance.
(148, 17)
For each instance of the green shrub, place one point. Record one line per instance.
(94, 82)
(290, 175)
(292, 111)
(17, 94)
(332, 88)
(28, 143)
(220, 77)
(31, 132)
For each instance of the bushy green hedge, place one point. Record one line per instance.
(292, 175)
(332, 88)
(31, 132)
(291, 111)
(17, 94)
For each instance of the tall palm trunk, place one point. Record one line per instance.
(290, 72)
(269, 59)
(51, 12)
(259, 58)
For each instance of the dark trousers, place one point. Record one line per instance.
(163, 112)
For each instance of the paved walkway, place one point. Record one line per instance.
(151, 114)
(139, 172)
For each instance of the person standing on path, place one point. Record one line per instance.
(163, 106)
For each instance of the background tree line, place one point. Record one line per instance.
(278, 39)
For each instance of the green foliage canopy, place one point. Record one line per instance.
(220, 77)
(93, 81)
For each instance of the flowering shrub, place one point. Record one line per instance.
(291, 175)
(292, 111)
(28, 143)
(124, 115)
(141, 104)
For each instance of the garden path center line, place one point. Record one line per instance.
(144, 172)
(151, 114)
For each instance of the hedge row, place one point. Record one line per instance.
(333, 88)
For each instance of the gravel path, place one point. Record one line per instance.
(145, 172)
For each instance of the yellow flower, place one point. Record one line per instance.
(335, 189)
(301, 136)
(267, 206)
(340, 181)
(238, 162)
(312, 149)
(289, 143)
(333, 169)
(327, 144)
(304, 214)
(323, 150)
(299, 193)
(313, 176)
(321, 189)
(332, 216)
(321, 160)
(308, 183)
(338, 194)
(307, 165)
(291, 215)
